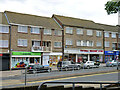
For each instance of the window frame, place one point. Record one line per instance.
(98, 33)
(58, 46)
(23, 44)
(49, 31)
(112, 34)
(89, 32)
(70, 41)
(3, 44)
(80, 31)
(69, 30)
(34, 29)
(107, 42)
(98, 44)
(20, 29)
(57, 32)
(6, 30)
(106, 34)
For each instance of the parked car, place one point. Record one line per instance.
(38, 68)
(68, 65)
(97, 63)
(111, 63)
(90, 64)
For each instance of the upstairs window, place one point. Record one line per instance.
(98, 44)
(22, 42)
(107, 44)
(69, 42)
(69, 30)
(89, 32)
(78, 42)
(23, 29)
(98, 33)
(47, 32)
(4, 29)
(57, 44)
(119, 35)
(58, 32)
(90, 43)
(113, 35)
(3, 43)
(35, 30)
(79, 31)
(106, 34)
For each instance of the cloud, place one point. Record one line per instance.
(84, 9)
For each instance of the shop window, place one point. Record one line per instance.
(31, 60)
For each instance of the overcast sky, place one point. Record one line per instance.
(84, 9)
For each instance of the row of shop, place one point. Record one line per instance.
(23, 59)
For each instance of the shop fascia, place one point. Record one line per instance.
(84, 51)
(26, 54)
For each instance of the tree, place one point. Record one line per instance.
(112, 6)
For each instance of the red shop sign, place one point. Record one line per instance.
(84, 50)
(93, 50)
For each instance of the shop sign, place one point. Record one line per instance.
(26, 53)
(91, 51)
(1, 54)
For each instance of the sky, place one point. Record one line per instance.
(83, 9)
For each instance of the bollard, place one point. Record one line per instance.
(25, 75)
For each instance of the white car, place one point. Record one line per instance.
(89, 64)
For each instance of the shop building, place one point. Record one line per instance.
(31, 37)
(4, 43)
(83, 39)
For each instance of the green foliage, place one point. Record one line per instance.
(112, 7)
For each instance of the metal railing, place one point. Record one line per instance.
(40, 48)
(73, 84)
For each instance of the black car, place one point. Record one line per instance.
(97, 63)
(38, 68)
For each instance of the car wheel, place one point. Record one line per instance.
(88, 67)
(78, 67)
(49, 70)
(66, 68)
(34, 72)
(112, 65)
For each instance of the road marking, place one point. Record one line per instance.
(61, 78)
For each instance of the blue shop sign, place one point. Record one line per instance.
(117, 53)
(109, 53)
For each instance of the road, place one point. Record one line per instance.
(80, 75)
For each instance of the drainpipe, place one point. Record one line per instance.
(41, 44)
(10, 50)
(63, 43)
(103, 47)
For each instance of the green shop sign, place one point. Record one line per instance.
(26, 53)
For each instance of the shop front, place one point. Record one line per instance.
(4, 61)
(51, 59)
(111, 55)
(23, 59)
(83, 55)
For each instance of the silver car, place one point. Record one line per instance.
(111, 63)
